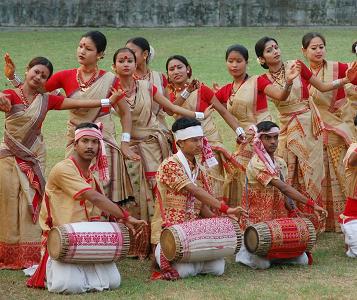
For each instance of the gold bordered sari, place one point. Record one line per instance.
(337, 115)
(243, 106)
(22, 164)
(119, 187)
(150, 142)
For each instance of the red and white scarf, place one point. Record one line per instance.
(260, 150)
(101, 164)
(197, 131)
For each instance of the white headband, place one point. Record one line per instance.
(273, 131)
(189, 132)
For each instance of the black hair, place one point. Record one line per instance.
(181, 59)
(260, 46)
(265, 126)
(41, 61)
(355, 120)
(185, 122)
(238, 48)
(306, 39)
(142, 43)
(87, 125)
(123, 50)
(98, 38)
(354, 46)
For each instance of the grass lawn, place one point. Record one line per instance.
(332, 276)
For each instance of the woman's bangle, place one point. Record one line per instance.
(224, 208)
(199, 115)
(185, 94)
(240, 131)
(16, 82)
(105, 102)
(125, 137)
(337, 83)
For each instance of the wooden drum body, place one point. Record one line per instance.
(88, 242)
(280, 238)
(201, 240)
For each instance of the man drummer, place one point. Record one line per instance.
(184, 194)
(266, 195)
(348, 219)
(74, 194)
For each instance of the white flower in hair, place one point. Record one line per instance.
(151, 54)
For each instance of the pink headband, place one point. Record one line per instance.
(101, 164)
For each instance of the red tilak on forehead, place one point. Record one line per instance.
(125, 57)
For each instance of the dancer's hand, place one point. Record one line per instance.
(292, 72)
(208, 111)
(193, 85)
(127, 152)
(5, 103)
(117, 95)
(9, 67)
(351, 73)
(215, 87)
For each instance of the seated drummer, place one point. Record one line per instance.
(74, 194)
(266, 196)
(184, 194)
(348, 219)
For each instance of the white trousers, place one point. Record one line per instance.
(350, 231)
(214, 267)
(258, 262)
(80, 278)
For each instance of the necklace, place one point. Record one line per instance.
(146, 76)
(234, 92)
(317, 68)
(130, 95)
(279, 76)
(85, 84)
(24, 99)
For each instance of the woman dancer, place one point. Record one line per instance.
(22, 163)
(194, 95)
(337, 114)
(145, 53)
(147, 140)
(86, 82)
(300, 139)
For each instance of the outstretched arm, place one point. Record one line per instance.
(209, 200)
(293, 194)
(351, 75)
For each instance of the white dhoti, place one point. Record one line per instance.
(261, 263)
(214, 267)
(350, 231)
(80, 278)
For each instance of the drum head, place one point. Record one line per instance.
(168, 244)
(251, 239)
(54, 243)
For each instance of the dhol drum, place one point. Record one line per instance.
(280, 238)
(201, 240)
(88, 242)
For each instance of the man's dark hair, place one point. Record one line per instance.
(265, 126)
(185, 122)
(87, 125)
(355, 120)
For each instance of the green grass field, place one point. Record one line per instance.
(332, 276)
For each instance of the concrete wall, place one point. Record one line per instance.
(173, 13)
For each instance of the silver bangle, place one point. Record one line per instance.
(337, 83)
(185, 94)
(199, 115)
(240, 131)
(105, 102)
(16, 81)
(125, 137)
